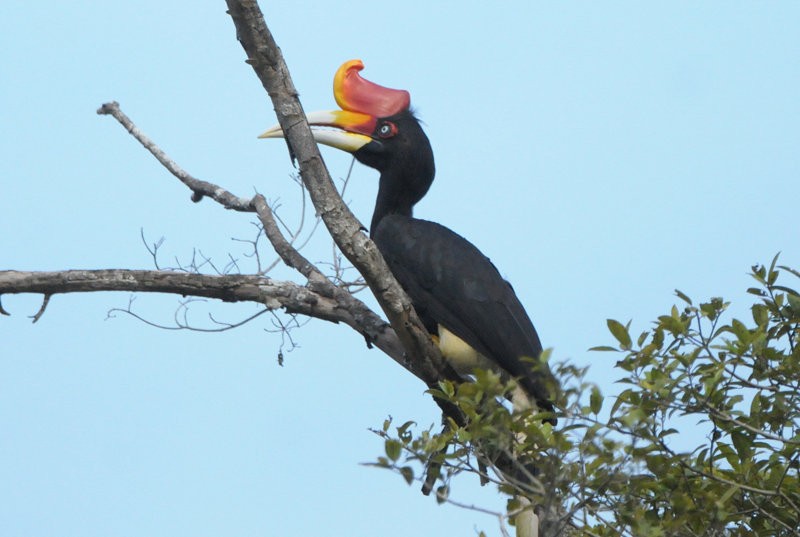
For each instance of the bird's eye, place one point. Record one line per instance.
(387, 129)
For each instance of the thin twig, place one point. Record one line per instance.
(198, 187)
(185, 325)
(290, 256)
(154, 250)
(45, 302)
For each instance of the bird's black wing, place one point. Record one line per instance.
(453, 284)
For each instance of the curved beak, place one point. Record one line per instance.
(342, 129)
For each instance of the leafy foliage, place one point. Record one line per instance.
(631, 465)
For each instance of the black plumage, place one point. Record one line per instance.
(450, 282)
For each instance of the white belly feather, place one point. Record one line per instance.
(460, 355)
(464, 359)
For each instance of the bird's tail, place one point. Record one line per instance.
(526, 521)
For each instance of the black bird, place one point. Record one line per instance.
(463, 301)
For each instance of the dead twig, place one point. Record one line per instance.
(198, 187)
(45, 302)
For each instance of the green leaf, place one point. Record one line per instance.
(773, 274)
(442, 493)
(673, 324)
(760, 314)
(622, 398)
(619, 331)
(743, 444)
(787, 290)
(729, 454)
(403, 433)
(642, 338)
(794, 303)
(740, 331)
(701, 457)
(393, 449)
(711, 309)
(683, 297)
(756, 291)
(759, 273)
(596, 400)
(447, 388)
(728, 493)
(604, 348)
(408, 474)
(755, 406)
(789, 269)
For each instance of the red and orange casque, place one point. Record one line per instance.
(356, 94)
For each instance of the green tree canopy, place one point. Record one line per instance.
(632, 464)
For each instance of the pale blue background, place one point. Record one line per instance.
(602, 154)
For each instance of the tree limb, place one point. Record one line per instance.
(410, 343)
(273, 294)
(288, 254)
(267, 61)
(359, 316)
(199, 188)
(406, 340)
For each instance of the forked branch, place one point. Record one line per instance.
(267, 61)
(273, 294)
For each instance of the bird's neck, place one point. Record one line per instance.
(402, 186)
(393, 199)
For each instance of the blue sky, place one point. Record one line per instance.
(602, 154)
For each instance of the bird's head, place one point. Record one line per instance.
(376, 125)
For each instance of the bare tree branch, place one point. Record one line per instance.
(366, 322)
(38, 315)
(406, 340)
(199, 188)
(274, 294)
(290, 256)
(266, 59)
(229, 288)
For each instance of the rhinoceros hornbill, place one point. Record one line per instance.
(470, 310)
